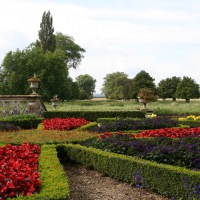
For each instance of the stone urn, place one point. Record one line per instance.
(141, 100)
(34, 82)
(55, 101)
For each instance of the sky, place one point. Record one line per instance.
(161, 37)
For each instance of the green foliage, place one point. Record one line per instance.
(167, 87)
(187, 89)
(87, 127)
(54, 76)
(24, 123)
(189, 123)
(117, 86)
(46, 33)
(20, 117)
(86, 86)
(73, 52)
(170, 182)
(8, 127)
(93, 115)
(142, 80)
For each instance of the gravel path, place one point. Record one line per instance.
(86, 184)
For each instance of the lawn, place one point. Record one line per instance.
(178, 107)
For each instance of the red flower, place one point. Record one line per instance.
(169, 132)
(19, 170)
(63, 124)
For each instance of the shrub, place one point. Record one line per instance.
(8, 127)
(94, 115)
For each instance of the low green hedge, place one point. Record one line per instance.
(87, 127)
(24, 123)
(94, 115)
(54, 182)
(190, 123)
(110, 120)
(163, 179)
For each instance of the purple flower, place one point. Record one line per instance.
(138, 180)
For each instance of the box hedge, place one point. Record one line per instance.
(94, 115)
(163, 179)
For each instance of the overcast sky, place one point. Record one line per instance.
(161, 37)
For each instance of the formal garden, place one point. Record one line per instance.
(157, 151)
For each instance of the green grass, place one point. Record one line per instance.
(178, 107)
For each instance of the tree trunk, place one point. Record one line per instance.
(187, 100)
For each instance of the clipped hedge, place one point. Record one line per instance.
(24, 123)
(93, 115)
(163, 179)
(87, 127)
(52, 175)
(190, 123)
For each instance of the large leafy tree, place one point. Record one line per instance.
(49, 67)
(12, 78)
(54, 76)
(167, 87)
(86, 85)
(142, 80)
(73, 52)
(187, 89)
(117, 86)
(46, 34)
(47, 61)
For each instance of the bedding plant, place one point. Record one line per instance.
(19, 157)
(175, 146)
(19, 170)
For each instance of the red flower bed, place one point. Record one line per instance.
(19, 170)
(63, 124)
(169, 132)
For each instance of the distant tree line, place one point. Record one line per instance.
(118, 86)
(50, 58)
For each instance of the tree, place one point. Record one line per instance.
(117, 86)
(187, 89)
(48, 63)
(49, 67)
(54, 76)
(73, 52)
(13, 72)
(167, 87)
(47, 40)
(86, 86)
(146, 95)
(142, 80)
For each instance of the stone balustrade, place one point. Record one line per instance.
(21, 104)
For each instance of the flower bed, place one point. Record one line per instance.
(155, 145)
(140, 124)
(169, 132)
(63, 124)
(19, 170)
